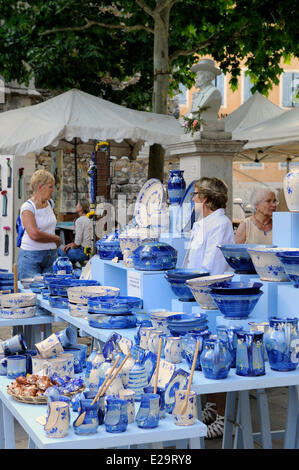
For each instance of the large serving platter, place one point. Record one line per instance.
(150, 198)
(186, 216)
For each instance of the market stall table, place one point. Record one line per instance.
(32, 327)
(26, 415)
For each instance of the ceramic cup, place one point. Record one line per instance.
(49, 347)
(67, 337)
(58, 419)
(189, 416)
(145, 332)
(161, 393)
(29, 354)
(147, 416)
(14, 345)
(129, 396)
(116, 415)
(16, 366)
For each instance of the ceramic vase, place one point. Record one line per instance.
(57, 422)
(250, 360)
(229, 334)
(173, 349)
(176, 186)
(116, 416)
(189, 416)
(147, 416)
(137, 380)
(62, 265)
(282, 343)
(215, 359)
(145, 332)
(291, 190)
(153, 342)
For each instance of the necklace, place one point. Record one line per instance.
(263, 225)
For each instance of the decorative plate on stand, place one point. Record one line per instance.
(178, 381)
(150, 198)
(186, 217)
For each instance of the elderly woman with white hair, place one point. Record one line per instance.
(258, 227)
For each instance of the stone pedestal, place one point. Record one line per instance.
(208, 153)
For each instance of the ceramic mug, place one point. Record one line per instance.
(161, 393)
(58, 419)
(116, 415)
(67, 337)
(129, 396)
(49, 347)
(148, 414)
(14, 345)
(16, 366)
(189, 416)
(29, 353)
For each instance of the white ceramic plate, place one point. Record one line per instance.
(150, 199)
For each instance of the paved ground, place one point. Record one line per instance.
(277, 399)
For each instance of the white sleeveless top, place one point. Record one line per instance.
(255, 235)
(45, 221)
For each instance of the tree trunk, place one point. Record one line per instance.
(161, 81)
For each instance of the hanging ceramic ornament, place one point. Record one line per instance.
(6, 240)
(4, 203)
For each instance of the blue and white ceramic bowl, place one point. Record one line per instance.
(81, 294)
(180, 289)
(111, 321)
(290, 261)
(154, 256)
(184, 274)
(201, 288)
(57, 301)
(54, 277)
(236, 306)
(60, 287)
(238, 257)
(268, 266)
(113, 305)
(18, 300)
(238, 288)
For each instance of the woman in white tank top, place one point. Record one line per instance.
(39, 245)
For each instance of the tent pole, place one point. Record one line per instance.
(76, 172)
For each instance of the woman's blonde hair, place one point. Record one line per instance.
(41, 177)
(215, 190)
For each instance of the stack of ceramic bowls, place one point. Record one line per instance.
(58, 290)
(109, 246)
(78, 297)
(112, 312)
(267, 264)
(6, 281)
(201, 288)
(238, 299)
(290, 261)
(18, 305)
(181, 323)
(154, 256)
(238, 257)
(177, 278)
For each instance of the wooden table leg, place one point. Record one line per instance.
(291, 420)
(246, 419)
(9, 434)
(229, 420)
(264, 418)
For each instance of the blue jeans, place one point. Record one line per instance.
(74, 254)
(32, 263)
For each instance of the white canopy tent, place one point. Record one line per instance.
(255, 110)
(76, 114)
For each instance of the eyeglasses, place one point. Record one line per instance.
(270, 201)
(195, 192)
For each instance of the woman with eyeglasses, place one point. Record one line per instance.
(258, 227)
(212, 228)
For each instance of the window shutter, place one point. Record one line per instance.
(296, 89)
(287, 79)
